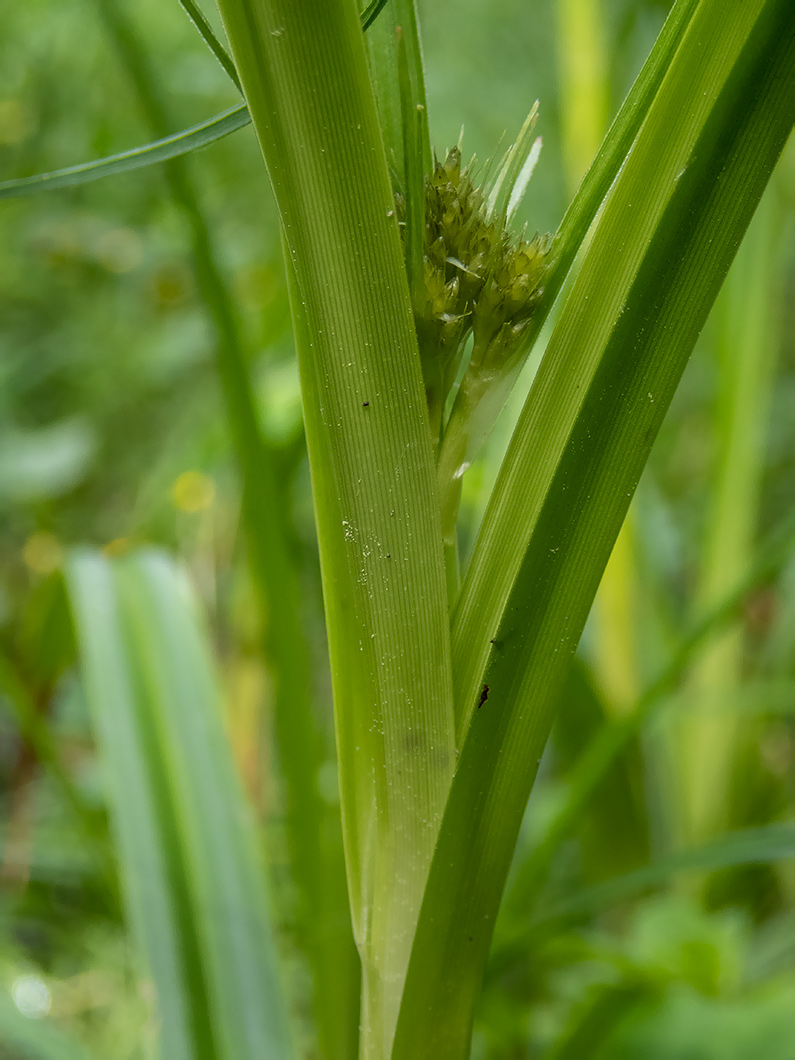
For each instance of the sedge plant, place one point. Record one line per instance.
(415, 304)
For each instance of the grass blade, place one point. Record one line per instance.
(161, 150)
(677, 212)
(195, 14)
(188, 844)
(371, 12)
(399, 93)
(749, 846)
(153, 887)
(222, 863)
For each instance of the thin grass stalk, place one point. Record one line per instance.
(746, 352)
(585, 90)
(584, 84)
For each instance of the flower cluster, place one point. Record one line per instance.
(477, 277)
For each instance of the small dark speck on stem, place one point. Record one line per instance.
(484, 695)
(365, 404)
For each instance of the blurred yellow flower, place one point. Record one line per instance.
(42, 552)
(193, 491)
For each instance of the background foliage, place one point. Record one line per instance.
(112, 434)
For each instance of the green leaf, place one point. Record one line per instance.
(154, 889)
(180, 143)
(749, 846)
(371, 12)
(400, 93)
(194, 884)
(195, 14)
(304, 71)
(662, 247)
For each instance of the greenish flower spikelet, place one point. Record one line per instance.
(478, 279)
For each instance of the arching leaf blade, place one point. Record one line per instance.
(150, 154)
(663, 245)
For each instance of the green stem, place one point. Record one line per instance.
(304, 72)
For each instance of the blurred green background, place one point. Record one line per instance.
(113, 433)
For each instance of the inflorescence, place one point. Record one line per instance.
(478, 279)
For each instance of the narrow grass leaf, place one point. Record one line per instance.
(745, 342)
(212, 820)
(599, 757)
(663, 246)
(188, 848)
(398, 92)
(765, 845)
(414, 122)
(195, 14)
(371, 13)
(138, 814)
(180, 143)
(750, 846)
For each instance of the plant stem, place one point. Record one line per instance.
(304, 71)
